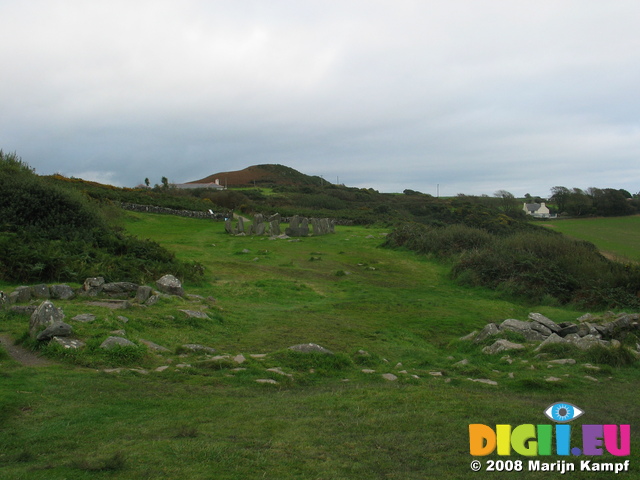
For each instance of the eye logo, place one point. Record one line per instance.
(562, 412)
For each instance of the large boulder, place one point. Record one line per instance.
(171, 285)
(547, 322)
(57, 329)
(523, 328)
(41, 291)
(92, 286)
(62, 292)
(20, 295)
(44, 316)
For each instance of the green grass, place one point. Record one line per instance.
(619, 237)
(324, 418)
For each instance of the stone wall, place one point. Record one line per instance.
(134, 207)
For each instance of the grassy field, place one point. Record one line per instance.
(325, 418)
(618, 237)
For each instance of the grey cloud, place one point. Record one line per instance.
(475, 96)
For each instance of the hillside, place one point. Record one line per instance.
(262, 175)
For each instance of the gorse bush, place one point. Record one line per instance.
(533, 264)
(442, 241)
(51, 233)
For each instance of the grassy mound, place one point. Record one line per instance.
(51, 233)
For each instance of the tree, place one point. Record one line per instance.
(560, 195)
(508, 203)
(146, 181)
(165, 182)
(610, 202)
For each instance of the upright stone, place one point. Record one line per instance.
(274, 228)
(298, 227)
(325, 225)
(143, 293)
(240, 227)
(93, 286)
(171, 285)
(258, 224)
(315, 224)
(228, 226)
(44, 316)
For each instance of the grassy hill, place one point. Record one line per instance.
(394, 401)
(266, 175)
(204, 418)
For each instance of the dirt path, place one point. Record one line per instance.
(22, 355)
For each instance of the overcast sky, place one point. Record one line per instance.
(471, 95)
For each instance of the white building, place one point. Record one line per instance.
(213, 185)
(538, 210)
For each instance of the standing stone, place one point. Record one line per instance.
(274, 228)
(93, 286)
(298, 227)
(45, 315)
(240, 227)
(143, 293)
(315, 224)
(228, 227)
(171, 285)
(258, 226)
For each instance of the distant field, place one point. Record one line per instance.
(618, 237)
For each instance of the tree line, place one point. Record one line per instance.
(607, 202)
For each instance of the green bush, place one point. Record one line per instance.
(52, 233)
(530, 263)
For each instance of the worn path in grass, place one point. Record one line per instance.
(22, 355)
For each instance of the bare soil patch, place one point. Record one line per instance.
(22, 355)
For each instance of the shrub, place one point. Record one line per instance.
(49, 232)
(529, 263)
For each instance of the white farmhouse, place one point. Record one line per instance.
(538, 210)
